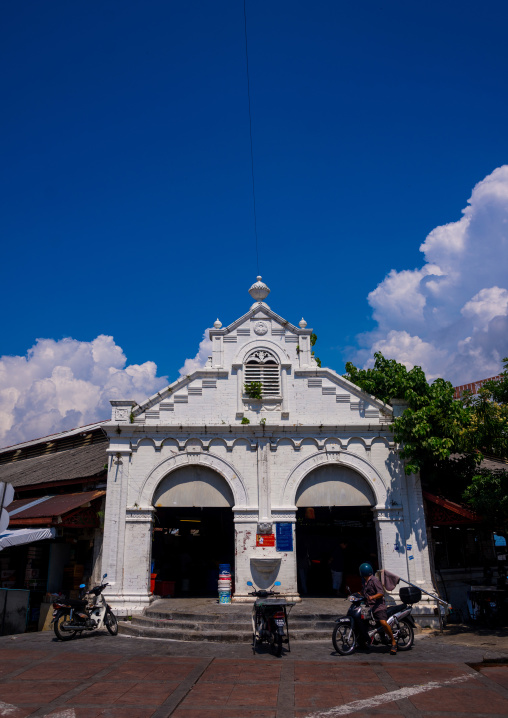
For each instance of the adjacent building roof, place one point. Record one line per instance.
(52, 438)
(79, 463)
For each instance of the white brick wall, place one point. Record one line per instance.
(320, 418)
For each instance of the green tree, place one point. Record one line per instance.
(432, 427)
(488, 495)
(488, 431)
(444, 438)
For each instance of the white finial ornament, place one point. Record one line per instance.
(302, 323)
(259, 291)
(217, 324)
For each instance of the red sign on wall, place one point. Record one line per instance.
(265, 539)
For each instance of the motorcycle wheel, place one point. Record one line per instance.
(63, 635)
(111, 623)
(344, 639)
(276, 644)
(406, 636)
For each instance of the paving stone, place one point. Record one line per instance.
(36, 692)
(147, 694)
(499, 674)
(466, 698)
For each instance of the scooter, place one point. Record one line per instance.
(358, 623)
(72, 616)
(270, 619)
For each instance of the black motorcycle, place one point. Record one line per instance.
(353, 628)
(270, 619)
(72, 616)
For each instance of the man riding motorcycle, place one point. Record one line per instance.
(374, 595)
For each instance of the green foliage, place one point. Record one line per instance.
(254, 390)
(313, 340)
(390, 380)
(131, 417)
(499, 388)
(245, 420)
(488, 495)
(434, 424)
(263, 422)
(488, 431)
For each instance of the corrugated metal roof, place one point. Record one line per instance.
(80, 463)
(55, 437)
(55, 506)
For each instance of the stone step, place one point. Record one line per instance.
(218, 635)
(230, 617)
(225, 624)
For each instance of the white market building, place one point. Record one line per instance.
(190, 485)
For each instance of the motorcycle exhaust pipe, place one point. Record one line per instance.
(76, 627)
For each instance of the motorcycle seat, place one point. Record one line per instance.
(395, 609)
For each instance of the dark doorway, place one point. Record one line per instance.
(188, 545)
(319, 533)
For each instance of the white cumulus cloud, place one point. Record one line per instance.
(450, 316)
(199, 361)
(62, 384)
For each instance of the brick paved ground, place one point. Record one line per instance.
(126, 677)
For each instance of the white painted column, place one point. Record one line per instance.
(390, 535)
(114, 520)
(137, 558)
(419, 566)
(285, 371)
(239, 390)
(264, 498)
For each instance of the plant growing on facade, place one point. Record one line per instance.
(313, 340)
(254, 390)
(245, 420)
(263, 421)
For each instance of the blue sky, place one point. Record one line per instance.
(126, 189)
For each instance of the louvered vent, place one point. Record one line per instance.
(262, 366)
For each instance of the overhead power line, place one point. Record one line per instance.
(250, 134)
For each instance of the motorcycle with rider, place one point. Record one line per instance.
(370, 622)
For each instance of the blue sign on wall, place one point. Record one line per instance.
(284, 537)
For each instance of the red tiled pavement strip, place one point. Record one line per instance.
(89, 685)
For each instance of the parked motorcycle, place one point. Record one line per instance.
(72, 616)
(352, 629)
(270, 619)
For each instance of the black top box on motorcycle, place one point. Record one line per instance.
(410, 595)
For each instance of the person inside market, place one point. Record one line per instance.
(337, 566)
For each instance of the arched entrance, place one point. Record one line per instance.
(193, 531)
(334, 529)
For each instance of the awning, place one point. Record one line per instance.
(442, 512)
(76, 510)
(16, 537)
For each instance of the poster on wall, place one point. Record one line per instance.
(265, 540)
(284, 534)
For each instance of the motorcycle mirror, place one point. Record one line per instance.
(82, 585)
(277, 583)
(249, 583)
(105, 576)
